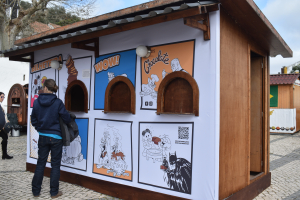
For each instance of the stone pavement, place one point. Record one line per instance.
(15, 182)
(285, 168)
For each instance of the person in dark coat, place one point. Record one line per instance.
(2, 133)
(47, 109)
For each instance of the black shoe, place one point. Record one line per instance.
(6, 157)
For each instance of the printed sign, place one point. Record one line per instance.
(112, 152)
(165, 155)
(164, 60)
(108, 67)
(40, 72)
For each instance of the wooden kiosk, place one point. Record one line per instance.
(17, 102)
(186, 118)
(284, 103)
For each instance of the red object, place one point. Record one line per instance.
(156, 140)
(280, 79)
(278, 128)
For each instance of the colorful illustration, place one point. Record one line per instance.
(40, 72)
(164, 60)
(75, 69)
(165, 160)
(112, 153)
(75, 155)
(110, 66)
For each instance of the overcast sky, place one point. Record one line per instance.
(283, 14)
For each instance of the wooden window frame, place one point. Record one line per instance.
(166, 81)
(85, 92)
(108, 91)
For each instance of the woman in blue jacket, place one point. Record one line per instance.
(47, 109)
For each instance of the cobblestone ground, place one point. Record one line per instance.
(285, 168)
(15, 182)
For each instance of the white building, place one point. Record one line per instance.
(12, 72)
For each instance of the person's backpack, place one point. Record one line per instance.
(68, 131)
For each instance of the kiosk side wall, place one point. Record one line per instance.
(235, 120)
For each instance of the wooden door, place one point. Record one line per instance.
(256, 134)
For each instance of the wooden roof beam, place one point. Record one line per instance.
(194, 23)
(23, 58)
(83, 45)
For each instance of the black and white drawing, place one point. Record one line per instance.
(148, 89)
(178, 173)
(112, 153)
(72, 153)
(165, 155)
(111, 75)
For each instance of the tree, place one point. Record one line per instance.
(27, 13)
(297, 67)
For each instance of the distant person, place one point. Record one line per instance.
(3, 134)
(47, 109)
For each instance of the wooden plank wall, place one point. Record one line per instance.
(297, 105)
(235, 107)
(296, 96)
(285, 96)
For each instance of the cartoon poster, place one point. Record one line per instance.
(40, 72)
(75, 69)
(165, 155)
(113, 149)
(163, 60)
(34, 138)
(109, 66)
(75, 155)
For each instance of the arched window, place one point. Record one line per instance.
(119, 96)
(178, 93)
(76, 98)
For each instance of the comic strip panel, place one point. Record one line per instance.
(112, 149)
(37, 83)
(110, 66)
(34, 139)
(164, 59)
(75, 155)
(165, 155)
(75, 69)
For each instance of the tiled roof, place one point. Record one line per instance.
(40, 27)
(113, 23)
(281, 79)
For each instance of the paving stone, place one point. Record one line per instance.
(15, 182)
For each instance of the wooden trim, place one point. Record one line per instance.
(23, 104)
(292, 96)
(83, 45)
(68, 101)
(21, 58)
(249, 112)
(108, 91)
(165, 82)
(252, 190)
(106, 187)
(205, 27)
(117, 29)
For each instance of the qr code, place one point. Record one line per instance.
(183, 133)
